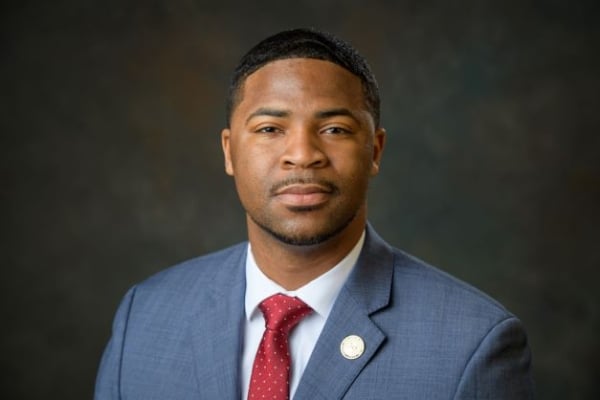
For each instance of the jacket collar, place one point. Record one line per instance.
(366, 292)
(220, 341)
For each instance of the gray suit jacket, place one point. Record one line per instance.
(428, 336)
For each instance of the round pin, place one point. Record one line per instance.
(352, 347)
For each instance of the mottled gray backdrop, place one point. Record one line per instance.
(111, 164)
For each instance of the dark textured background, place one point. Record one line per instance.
(111, 165)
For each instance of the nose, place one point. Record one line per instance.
(303, 149)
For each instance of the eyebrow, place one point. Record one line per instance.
(269, 112)
(324, 114)
(335, 112)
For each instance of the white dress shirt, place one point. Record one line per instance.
(319, 294)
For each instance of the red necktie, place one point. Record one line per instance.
(271, 371)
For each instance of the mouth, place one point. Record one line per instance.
(304, 195)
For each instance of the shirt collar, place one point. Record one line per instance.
(319, 294)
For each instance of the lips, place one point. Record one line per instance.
(304, 194)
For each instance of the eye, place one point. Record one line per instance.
(268, 129)
(336, 130)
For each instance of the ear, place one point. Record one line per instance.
(226, 144)
(378, 145)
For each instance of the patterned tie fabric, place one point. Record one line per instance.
(271, 371)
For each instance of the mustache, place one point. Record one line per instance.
(330, 186)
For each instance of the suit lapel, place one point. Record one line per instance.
(217, 330)
(328, 374)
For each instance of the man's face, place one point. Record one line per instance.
(302, 147)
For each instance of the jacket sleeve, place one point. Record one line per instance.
(108, 380)
(500, 367)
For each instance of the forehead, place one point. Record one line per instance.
(301, 81)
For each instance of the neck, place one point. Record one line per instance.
(293, 266)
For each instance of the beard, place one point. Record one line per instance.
(333, 228)
(313, 230)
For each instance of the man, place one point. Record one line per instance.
(368, 321)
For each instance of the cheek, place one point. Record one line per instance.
(356, 161)
(250, 165)
(250, 173)
(247, 189)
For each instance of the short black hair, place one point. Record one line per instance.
(305, 43)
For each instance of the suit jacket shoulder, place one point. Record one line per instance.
(199, 270)
(440, 295)
(426, 335)
(178, 331)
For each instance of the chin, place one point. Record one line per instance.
(297, 236)
(299, 240)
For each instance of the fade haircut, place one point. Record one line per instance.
(304, 43)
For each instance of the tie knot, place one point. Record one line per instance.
(283, 312)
